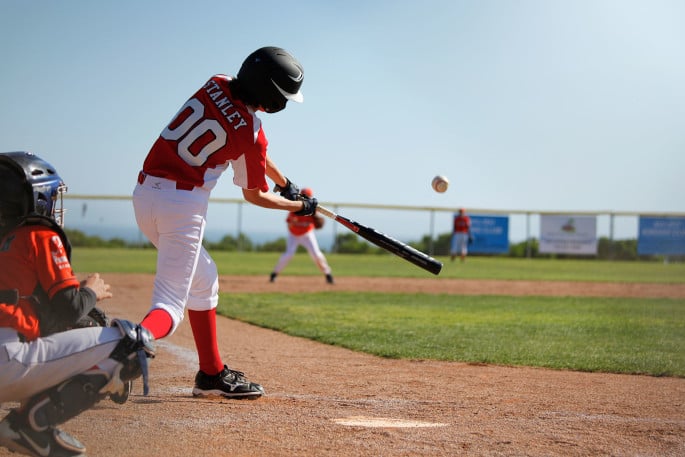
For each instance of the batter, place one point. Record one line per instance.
(215, 129)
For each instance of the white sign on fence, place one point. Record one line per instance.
(566, 234)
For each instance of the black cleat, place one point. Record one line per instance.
(50, 442)
(229, 383)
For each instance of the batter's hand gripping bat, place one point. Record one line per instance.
(382, 240)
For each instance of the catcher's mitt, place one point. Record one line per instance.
(318, 222)
(95, 318)
(53, 322)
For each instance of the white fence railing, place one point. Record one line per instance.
(112, 216)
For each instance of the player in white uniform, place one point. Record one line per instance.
(216, 128)
(301, 233)
(52, 359)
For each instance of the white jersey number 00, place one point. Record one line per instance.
(193, 127)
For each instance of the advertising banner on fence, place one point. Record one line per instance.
(490, 234)
(661, 236)
(568, 235)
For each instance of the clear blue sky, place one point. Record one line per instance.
(530, 104)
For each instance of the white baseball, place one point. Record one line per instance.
(440, 184)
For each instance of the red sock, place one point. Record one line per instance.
(158, 322)
(203, 324)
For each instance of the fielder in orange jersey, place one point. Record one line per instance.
(301, 232)
(55, 361)
(216, 128)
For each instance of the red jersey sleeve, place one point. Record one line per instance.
(52, 264)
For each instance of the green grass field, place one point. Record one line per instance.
(610, 335)
(241, 263)
(621, 335)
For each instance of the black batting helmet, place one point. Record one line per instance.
(29, 186)
(269, 77)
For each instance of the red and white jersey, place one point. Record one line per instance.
(300, 225)
(210, 132)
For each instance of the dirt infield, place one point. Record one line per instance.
(328, 401)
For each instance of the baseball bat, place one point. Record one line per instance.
(386, 242)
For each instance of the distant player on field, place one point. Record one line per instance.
(301, 232)
(216, 128)
(461, 235)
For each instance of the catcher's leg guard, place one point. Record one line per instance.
(60, 403)
(132, 353)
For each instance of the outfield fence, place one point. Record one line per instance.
(112, 217)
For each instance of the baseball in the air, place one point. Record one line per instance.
(440, 184)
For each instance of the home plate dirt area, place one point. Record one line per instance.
(327, 401)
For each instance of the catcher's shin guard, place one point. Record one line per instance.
(60, 403)
(132, 353)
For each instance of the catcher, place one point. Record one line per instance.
(301, 233)
(59, 355)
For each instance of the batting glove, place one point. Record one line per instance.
(289, 191)
(308, 206)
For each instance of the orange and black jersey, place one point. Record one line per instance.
(36, 262)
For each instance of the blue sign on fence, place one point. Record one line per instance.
(661, 236)
(490, 234)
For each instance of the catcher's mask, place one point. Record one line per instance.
(29, 186)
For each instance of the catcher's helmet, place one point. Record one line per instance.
(269, 77)
(307, 192)
(29, 186)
